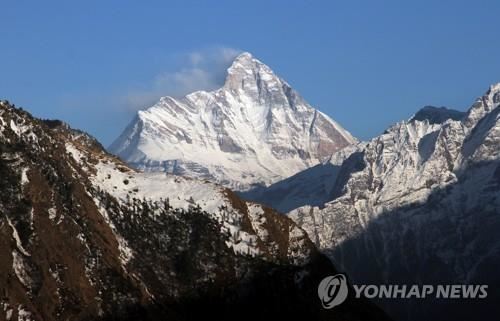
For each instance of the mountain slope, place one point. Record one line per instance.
(85, 237)
(255, 130)
(420, 204)
(313, 186)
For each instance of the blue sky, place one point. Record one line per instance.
(365, 63)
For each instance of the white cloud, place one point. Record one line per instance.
(195, 58)
(203, 70)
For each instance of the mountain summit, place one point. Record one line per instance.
(254, 130)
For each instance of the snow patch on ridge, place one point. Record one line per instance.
(180, 191)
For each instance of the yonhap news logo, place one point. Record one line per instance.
(333, 291)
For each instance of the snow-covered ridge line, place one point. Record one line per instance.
(125, 184)
(412, 203)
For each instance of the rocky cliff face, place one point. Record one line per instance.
(255, 130)
(85, 237)
(418, 204)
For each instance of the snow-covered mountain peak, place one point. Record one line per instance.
(495, 88)
(243, 59)
(494, 94)
(249, 75)
(484, 105)
(246, 63)
(255, 129)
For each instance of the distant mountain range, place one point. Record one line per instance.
(234, 204)
(419, 203)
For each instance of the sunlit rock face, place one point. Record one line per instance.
(418, 204)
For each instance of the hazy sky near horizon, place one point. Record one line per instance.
(367, 64)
